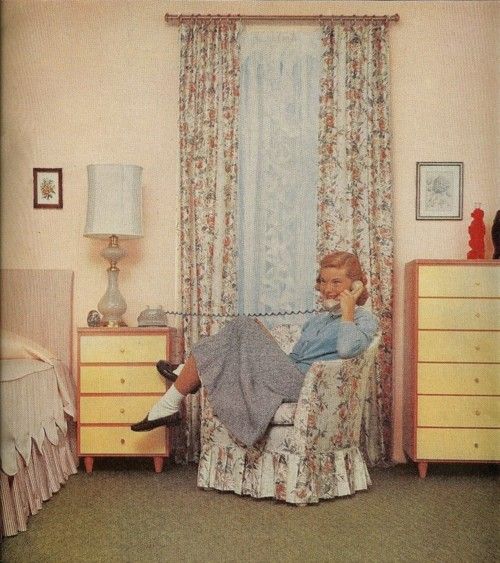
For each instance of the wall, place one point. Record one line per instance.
(92, 81)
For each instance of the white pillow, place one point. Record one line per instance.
(15, 346)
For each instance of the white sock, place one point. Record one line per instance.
(167, 405)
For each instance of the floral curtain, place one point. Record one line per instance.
(354, 205)
(208, 122)
(354, 190)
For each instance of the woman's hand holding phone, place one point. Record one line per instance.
(346, 301)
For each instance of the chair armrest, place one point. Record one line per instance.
(330, 405)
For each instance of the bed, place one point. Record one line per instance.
(36, 392)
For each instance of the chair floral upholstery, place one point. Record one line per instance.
(311, 448)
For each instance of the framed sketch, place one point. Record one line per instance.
(440, 191)
(47, 188)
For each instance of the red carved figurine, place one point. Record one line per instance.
(477, 231)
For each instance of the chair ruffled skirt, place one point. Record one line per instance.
(286, 476)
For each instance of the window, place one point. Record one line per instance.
(278, 169)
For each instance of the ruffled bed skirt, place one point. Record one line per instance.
(289, 477)
(23, 493)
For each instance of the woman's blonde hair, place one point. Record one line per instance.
(350, 263)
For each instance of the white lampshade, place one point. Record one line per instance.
(114, 203)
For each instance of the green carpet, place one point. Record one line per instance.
(124, 512)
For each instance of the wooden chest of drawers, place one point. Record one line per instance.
(452, 361)
(117, 385)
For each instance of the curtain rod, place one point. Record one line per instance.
(179, 18)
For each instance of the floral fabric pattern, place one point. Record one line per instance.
(208, 124)
(317, 457)
(354, 191)
(285, 415)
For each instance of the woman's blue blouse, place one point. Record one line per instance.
(328, 337)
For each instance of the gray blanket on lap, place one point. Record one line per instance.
(247, 377)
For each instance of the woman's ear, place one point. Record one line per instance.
(357, 289)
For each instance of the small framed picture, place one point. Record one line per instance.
(47, 188)
(440, 191)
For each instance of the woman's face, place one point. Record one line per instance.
(333, 281)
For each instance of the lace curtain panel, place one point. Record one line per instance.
(278, 170)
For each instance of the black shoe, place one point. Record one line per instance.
(167, 370)
(145, 424)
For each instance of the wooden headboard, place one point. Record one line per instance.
(38, 304)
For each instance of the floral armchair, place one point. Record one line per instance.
(311, 448)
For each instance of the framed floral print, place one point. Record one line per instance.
(47, 188)
(440, 191)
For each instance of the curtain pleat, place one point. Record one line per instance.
(208, 121)
(354, 190)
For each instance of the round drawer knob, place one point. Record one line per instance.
(122, 380)
(476, 445)
(122, 411)
(477, 315)
(122, 350)
(122, 441)
(476, 379)
(477, 348)
(477, 413)
(477, 284)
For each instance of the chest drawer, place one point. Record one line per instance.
(457, 346)
(473, 444)
(458, 379)
(115, 410)
(458, 281)
(468, 411)
(120, 440)
(465, 314)
(121, 379)
(123, 348)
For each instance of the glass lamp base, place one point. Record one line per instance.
(112, 304)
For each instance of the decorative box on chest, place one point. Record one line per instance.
(117, 385)
(452, 361)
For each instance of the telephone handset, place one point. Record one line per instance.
(333, 305)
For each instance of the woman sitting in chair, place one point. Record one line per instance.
(246, 373)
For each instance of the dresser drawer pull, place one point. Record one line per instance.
(477, 413)
(122, 350)
(477, 348)
(122, 411)
(477, 315)
(477, 284)
(122, 380)
(122, 441)
(476, 445)
(476, 379)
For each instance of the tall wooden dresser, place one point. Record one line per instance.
(452, 361)
(117, 385)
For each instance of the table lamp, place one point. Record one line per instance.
(114, 209)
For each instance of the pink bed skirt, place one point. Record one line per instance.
(22, 494)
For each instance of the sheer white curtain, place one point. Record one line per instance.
(278, 169)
